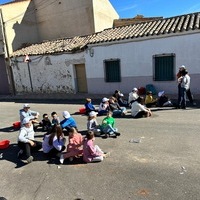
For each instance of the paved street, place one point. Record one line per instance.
(164, 165)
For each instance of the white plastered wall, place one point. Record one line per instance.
(136, 60)
(49, 73)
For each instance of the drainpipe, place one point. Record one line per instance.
(6, 51)
(29, 71)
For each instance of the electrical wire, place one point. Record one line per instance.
(30, 12)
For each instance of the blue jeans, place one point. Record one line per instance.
(183, 97)
(119, 112)
(109, 129)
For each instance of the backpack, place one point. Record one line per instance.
(151, 88)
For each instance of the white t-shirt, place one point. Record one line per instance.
(137, 107)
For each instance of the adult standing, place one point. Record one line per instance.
(184, 86)
(182, 70)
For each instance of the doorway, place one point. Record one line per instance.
(81, 78)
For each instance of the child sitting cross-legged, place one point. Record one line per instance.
(54, 143)
(91, 152)
(89, 106)
(74, 148)
(92, 124)
(107, 126)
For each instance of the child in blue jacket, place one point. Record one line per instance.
(68, 121)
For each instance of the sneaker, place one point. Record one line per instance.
(105, 136)
(117, 133)
(107, 154)
(19, 154)
(71, 159)
(61, 159)
(123, 114)
(29, 159)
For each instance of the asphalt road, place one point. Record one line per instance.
(164, 165)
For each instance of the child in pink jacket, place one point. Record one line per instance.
(74, 147)
(91, 152)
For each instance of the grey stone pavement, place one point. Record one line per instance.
(164, 165)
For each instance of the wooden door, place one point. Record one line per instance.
(81, 78)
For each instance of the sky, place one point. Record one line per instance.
(151, 8)
(155, 8)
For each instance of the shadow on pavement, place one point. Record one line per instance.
(8, 129)
(10, 154)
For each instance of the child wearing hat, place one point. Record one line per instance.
(133, 96)
(68, 121)
(26, 112)
(104, 106)
(26, 141)
(92, 124)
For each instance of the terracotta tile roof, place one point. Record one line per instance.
(160, 27)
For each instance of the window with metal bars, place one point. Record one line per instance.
(112, 70)
(164, 66)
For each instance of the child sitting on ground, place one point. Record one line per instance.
(68, 121)
(55, 118)
(45, 123)
(74, 148)
(91, 152)
(26, 141)
(115, 108)
(89, 106)
(92, 124)
(163, 100)
(150, 100)
(138, 110)
(54, 143)
(104, 106)
(107, 126)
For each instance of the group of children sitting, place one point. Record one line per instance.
(140, 107)
(54, 141)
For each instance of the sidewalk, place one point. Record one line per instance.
(69, 98)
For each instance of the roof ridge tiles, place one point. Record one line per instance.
(175, 24)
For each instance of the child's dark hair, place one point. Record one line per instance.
(55, 131)
(45, 114)
(139, 99)
(53, 113)
(90, 135)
